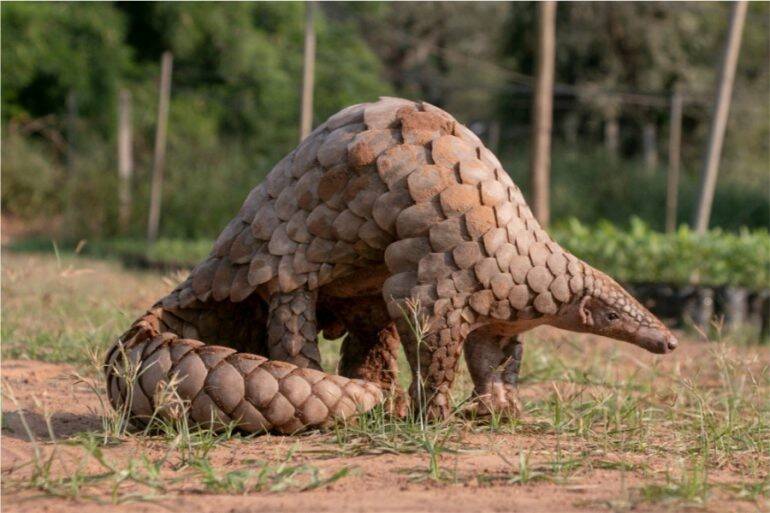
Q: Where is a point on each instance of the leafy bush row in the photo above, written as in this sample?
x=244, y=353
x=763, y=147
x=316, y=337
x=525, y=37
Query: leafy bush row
x=636, y=255
x=163, y=253
x=640, y=254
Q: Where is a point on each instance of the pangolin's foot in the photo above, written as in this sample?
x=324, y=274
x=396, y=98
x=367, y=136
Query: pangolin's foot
x=397, y=402
x=501, y=401
x=433, y=408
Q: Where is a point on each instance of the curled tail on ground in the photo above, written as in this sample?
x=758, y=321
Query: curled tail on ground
x=222, y=386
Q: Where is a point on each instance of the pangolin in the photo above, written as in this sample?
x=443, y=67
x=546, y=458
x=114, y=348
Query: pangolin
x=383, y=202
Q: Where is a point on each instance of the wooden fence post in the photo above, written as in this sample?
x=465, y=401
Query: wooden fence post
x=611, y=131
x=650, y=145
x=71, y=128
x=571, y=125
x=493, y=137
x=125, y=159
x=308, y=71
x=674, y=157
x=542, y=113
x=159, y=159
x=719, y=120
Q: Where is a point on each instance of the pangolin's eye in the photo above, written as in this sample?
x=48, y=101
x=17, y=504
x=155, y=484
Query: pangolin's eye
x=612, y=316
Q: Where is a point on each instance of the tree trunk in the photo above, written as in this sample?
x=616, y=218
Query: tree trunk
x=543, y=112
x=308, y=71
x=125, y=159
x=674, y=157
x=156, y=193
x=719, y=120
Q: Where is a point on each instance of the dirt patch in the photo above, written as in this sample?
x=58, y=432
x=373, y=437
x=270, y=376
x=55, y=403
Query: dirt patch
x=15, y=228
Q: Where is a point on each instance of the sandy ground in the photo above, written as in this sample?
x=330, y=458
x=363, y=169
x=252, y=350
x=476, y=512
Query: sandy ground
x=377, y=483
x=52, y=310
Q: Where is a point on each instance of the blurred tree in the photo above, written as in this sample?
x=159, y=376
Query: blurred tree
x=441, y=52
x=234, y=106
x=242, y=62
x=51, y=49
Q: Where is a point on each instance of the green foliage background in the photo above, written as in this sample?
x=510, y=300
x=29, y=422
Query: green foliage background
x=236, y=85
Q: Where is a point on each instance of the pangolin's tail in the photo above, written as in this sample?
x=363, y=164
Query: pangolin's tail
x=152, y=372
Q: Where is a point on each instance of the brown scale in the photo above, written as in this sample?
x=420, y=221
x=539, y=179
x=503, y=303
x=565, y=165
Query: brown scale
x=383, y=202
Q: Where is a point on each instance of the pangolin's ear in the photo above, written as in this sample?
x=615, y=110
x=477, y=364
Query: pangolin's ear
x=585, y=314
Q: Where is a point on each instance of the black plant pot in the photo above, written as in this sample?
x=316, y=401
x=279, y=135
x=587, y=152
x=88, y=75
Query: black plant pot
x=734, y=303
x=662, y=299
x=759, y=314
x=699, y=306
x=680, y=306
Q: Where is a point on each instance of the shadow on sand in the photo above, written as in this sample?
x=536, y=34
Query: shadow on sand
x=63, y=425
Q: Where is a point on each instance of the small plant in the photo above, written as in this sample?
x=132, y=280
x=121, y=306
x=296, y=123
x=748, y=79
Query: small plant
x=690, y=485
x=418, y=325
x=264, y=476
x=377, y=432
x=524, y=474
x=433, y=441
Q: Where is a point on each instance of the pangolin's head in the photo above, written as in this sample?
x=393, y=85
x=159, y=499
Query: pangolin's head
x=606, y=309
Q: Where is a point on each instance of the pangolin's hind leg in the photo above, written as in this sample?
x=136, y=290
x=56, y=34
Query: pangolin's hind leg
x=370, y=349
x=292, y=329
x=372, y=355
x=494, y=362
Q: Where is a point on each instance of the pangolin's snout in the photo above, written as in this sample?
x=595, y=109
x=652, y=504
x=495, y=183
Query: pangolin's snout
x=671, y=342
x=656, y=340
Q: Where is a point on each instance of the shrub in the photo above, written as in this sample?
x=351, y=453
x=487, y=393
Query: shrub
x=31, y=178
x=683, y=257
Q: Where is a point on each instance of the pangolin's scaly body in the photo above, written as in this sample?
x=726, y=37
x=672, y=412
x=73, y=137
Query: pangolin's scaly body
x=384, y=201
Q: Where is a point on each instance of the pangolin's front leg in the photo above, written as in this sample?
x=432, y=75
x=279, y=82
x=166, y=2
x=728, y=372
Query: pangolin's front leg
x=292, y=329
x=494, y=362
x=433, y=360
